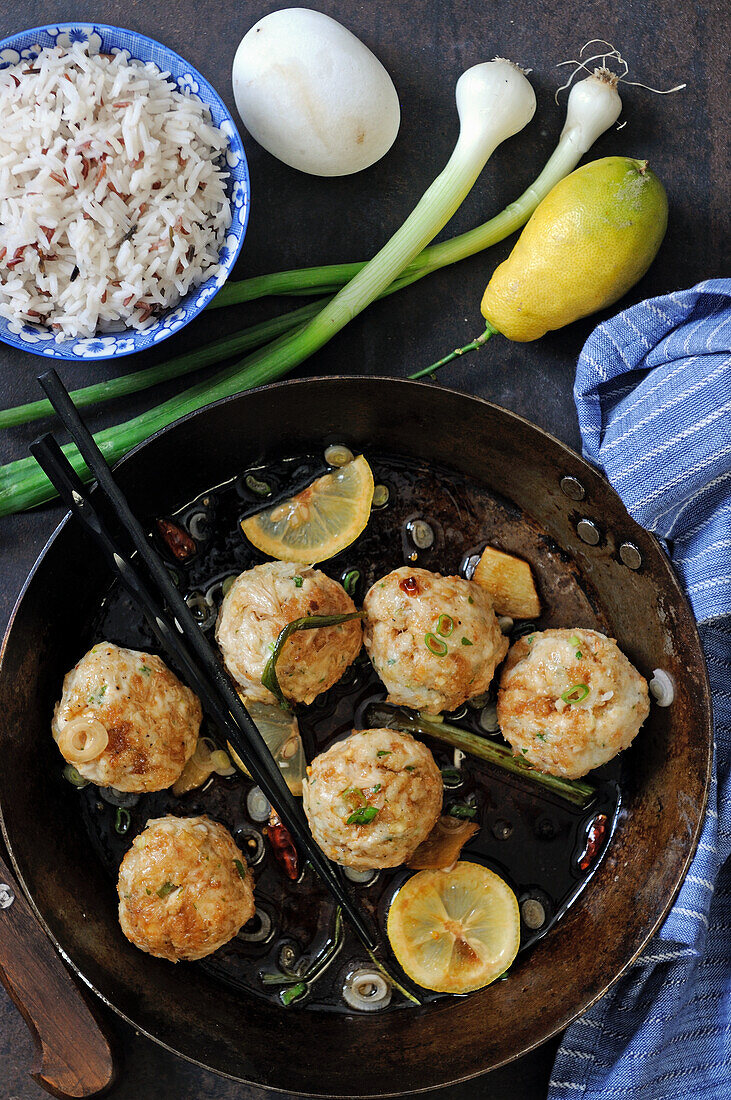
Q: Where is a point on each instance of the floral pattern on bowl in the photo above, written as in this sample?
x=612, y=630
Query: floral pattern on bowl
x=102, y=38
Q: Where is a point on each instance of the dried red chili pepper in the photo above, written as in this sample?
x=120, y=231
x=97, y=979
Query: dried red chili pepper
x=178, y=541
x=410, y=585
x=595, y=835
x=281, y=841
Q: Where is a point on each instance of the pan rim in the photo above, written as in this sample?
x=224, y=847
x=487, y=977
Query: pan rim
x=590, y=1000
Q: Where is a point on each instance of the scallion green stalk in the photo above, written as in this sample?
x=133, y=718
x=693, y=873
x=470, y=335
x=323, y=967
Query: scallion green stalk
x=501, y=756
x=593, y=106
x=191, y=361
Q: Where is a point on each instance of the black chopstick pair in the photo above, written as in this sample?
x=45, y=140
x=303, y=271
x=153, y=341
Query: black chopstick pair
x=178, y=634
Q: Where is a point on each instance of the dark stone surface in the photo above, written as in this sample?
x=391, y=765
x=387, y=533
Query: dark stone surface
x=299, y=220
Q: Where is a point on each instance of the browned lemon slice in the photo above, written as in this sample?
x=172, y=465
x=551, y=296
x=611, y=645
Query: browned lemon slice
x=454, y=931
x=320, y=521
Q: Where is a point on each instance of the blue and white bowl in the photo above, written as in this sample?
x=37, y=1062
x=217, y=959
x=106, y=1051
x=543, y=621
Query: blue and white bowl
x=106, y=39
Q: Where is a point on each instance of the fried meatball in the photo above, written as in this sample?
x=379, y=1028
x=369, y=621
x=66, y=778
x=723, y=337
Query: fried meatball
x=372, y=798
x=184, y=888
x=569, y=700
x=433, y=640
x=125, y=720
x=255, y=610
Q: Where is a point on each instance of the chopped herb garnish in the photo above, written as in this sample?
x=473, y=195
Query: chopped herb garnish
x=73, y=777
x=410, y=767
x=99, y=695
x=463, y=809
x=445, y=625
x=531, y=639
x=466, y=641
x=261, y=488
x=148, y=890
x=575, y=694
x=574, y=641
x=166, y=888
x=524, y=751
x=376, y=788
x=436, y=645
x=122, y=821
x=293, y=993
x=308, y=622
x=578, y=654
x=451, y=777
x=362, y=816
x=384, y=752
x=240, y=868
x=350, y=581
x=357, y=794
x=145, y=670
x=470, y=599
x=298, y=582
x=540, y=737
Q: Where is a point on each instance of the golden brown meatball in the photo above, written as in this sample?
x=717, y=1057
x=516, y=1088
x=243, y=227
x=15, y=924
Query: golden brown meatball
x=184, y=888
x=255, y=610
x=569, y=700
x=372, y=798
x=433, y=640
x=125, y=720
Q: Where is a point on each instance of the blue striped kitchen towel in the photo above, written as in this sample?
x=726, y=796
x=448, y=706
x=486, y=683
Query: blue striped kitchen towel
x=653, y=394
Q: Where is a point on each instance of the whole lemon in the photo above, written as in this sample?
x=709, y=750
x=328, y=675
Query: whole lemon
x=593, y=236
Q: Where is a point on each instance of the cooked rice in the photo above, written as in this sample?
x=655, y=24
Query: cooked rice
x=113, y=199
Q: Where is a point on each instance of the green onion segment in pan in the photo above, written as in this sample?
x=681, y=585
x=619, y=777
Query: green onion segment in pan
x=308, y=622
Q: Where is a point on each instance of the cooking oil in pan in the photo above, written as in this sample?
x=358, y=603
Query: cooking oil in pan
x=295, y=950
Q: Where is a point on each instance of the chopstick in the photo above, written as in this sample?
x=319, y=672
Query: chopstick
x=181, y=638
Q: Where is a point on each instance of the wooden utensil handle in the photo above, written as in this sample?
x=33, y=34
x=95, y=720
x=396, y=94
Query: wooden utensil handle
x=74, y=1057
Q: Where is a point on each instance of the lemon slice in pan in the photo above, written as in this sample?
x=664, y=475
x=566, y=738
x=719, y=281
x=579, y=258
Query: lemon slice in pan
x=320, y=521
x=454, y=931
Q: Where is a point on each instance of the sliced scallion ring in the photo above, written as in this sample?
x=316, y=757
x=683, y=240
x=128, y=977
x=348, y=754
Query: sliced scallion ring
x=575, y=694
x=435, y=645
x=350, y=581
x=445, y=625
x=256, y=486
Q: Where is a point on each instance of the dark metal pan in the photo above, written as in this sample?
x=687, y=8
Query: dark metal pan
x=557, y=511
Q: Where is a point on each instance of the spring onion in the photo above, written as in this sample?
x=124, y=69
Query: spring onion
x=385, y=714
x=217, y=352
x=445, y=625
x=308, y=622
x=494, y=101
x=350, y=581
x=72, y=776
x=259, y=488
x=436, y=645
x=593, y=106
x=462, y=810
x=288, y=996
x=362, y=816
x=575, y=694
x=122, y=821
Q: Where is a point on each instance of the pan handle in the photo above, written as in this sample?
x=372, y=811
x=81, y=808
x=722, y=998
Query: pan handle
x=73, y=1054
